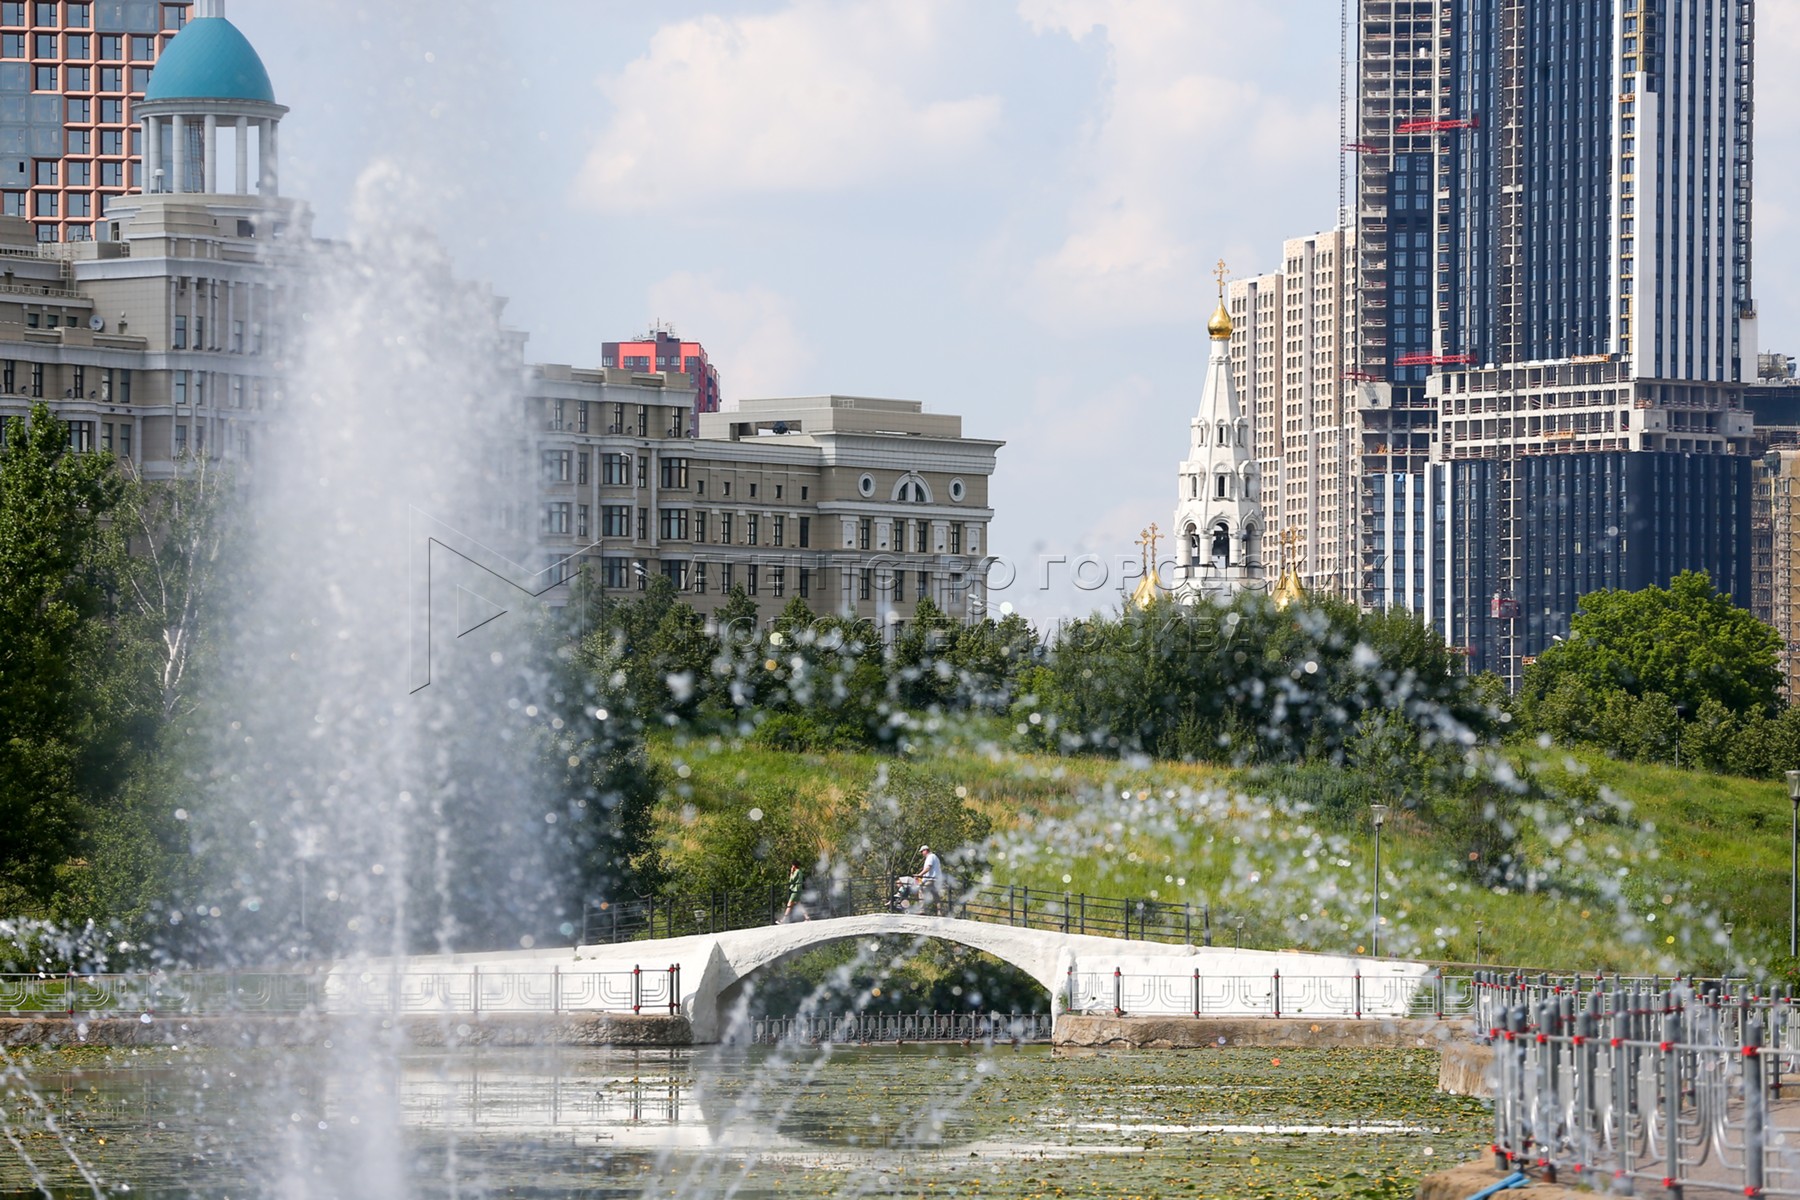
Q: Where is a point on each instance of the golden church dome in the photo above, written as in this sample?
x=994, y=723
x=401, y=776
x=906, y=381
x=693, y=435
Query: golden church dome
x=1220, y=325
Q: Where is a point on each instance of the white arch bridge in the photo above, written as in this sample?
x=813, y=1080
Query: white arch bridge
x=702, y=976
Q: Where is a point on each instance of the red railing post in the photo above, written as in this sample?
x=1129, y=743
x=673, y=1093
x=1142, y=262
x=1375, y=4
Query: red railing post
x=674, y=988
x=1118, y=994
x=637, y=989
x=1278, y=993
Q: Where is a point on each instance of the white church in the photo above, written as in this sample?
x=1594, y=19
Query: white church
x=1219, y=519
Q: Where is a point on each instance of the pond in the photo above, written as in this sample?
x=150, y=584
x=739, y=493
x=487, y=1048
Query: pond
x=927, y=1120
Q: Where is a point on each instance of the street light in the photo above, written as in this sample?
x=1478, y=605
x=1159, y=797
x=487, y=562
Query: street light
x=1793, y=778
x=1478, y=929
x=1380, y=814
x=1240, y=933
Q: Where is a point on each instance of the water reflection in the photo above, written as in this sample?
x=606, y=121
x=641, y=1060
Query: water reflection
x=752, y=1121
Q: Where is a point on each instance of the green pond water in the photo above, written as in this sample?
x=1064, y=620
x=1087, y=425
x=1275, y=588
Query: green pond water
x=578, y=1122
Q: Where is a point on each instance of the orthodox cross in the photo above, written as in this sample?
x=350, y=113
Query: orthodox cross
x=1147, y=545
x=1221, y=273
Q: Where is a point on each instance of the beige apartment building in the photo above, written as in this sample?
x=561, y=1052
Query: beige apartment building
x=855, y=505
x=1289, y=329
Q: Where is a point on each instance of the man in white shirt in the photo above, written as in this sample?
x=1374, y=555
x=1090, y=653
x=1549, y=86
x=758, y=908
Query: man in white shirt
x=931, y=879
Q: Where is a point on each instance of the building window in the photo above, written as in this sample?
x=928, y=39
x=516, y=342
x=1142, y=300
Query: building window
x=643, y=421
x=724, y=529
x=863, y=583
x=556, y=414
x=180, y=441
x=612, y=572
x=676, y=571
x=700, y=578
x=46, y=13
x=643, y=472
x=615, y=470
x=642, y=571
x=46, y=204
x=700, y=525
x=805, y=583
x=556, y=518
x=15, y=204
x=643, y=524
x=125, y=441
x=922, y=536
x=865, y=528
x=615, y=520
x=81, y=174
x=581, y=520
x=556, y=466
x=180, y=340
x=79, y=112
x=805, y=532
x=866, y=485
x=112, y=47
x=779, y=530
x=673, y=524
x=750, y=531
x=12, y=45
x=78, y=79
x=143, y=49
x=675, y=473
x=78, y=17
x=750, y=579
x=81, y=204
x=726, y=576
x=37, y=379
x=778, y=581
x=899, y=586
x=956, y=539
x=924, y=584
x=112, y=174
x=81, y=436
x=12, y=12
x=581, y=417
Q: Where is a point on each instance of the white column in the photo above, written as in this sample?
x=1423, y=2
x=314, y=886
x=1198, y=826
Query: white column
x=152, y=152
x=179, y=183
x=243, y=156
x=273, y=158
x=209, y=157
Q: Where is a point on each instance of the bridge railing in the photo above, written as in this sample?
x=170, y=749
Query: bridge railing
x=611, y=921
x=1673, y=1086
x=275, y=993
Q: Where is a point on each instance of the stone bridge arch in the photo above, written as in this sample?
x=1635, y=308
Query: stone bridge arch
x=741, y=954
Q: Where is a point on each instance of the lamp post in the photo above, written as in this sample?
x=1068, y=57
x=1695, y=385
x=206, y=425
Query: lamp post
x=1240, y=933
x=1379, y=811
x=1478, y=928
x=1793, y=782
x=1730, y=955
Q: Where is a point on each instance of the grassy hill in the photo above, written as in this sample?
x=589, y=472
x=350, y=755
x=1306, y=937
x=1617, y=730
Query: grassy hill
x=1614, y=866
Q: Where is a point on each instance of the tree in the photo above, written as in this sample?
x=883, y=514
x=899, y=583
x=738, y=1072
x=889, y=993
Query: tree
x=1687, y=641
x=54, y=646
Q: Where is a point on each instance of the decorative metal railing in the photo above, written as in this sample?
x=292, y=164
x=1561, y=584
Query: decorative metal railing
x=218, y=993
x=856, y=1028
x=1184, y=923
x=1670, y=1085
x=1199, y=994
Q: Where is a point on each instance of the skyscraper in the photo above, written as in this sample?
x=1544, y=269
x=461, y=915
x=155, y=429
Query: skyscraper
x=1590, y=407
x=71, y=72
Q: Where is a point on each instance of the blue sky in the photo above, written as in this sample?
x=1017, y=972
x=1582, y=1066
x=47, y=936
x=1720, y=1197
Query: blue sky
x=1007, y=209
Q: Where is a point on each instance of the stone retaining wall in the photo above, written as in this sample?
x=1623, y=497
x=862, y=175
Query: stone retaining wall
x=1191, y=1033
x=488, y=1029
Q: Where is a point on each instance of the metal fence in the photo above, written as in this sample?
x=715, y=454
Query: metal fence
x=610, y=921
x=857, y=1028
x=219, y=993
x=1672, y=1086
x=1199, y=994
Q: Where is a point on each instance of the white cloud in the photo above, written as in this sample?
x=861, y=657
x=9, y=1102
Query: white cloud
x=750, y=334
x=820, y=95
x=1190, y=156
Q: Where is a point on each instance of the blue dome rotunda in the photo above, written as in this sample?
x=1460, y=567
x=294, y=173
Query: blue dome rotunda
x=209, y=81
